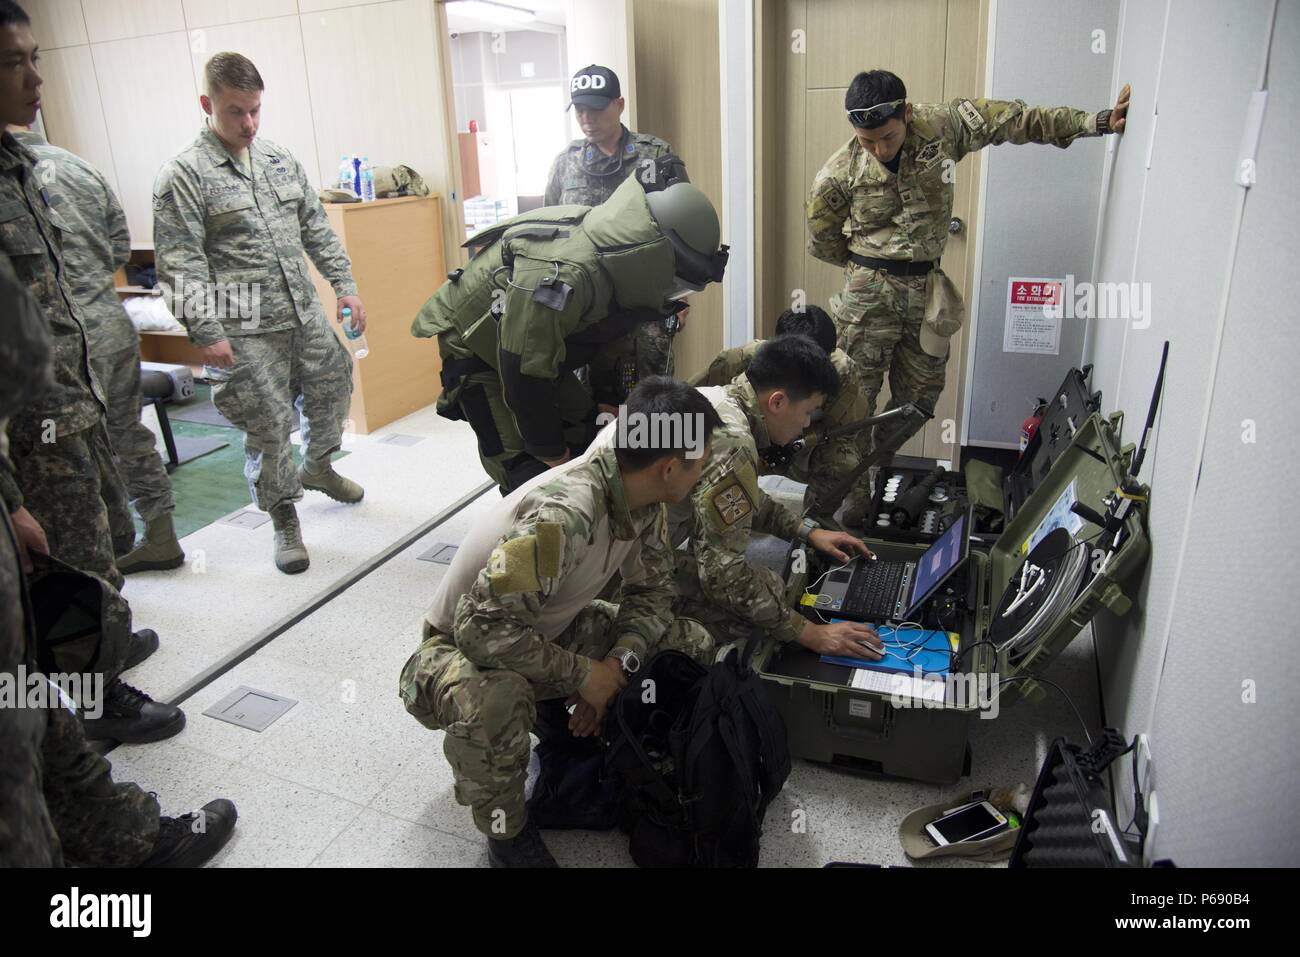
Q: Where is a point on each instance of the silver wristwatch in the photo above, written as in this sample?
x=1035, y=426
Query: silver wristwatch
x=628, y=658
x=806, y=528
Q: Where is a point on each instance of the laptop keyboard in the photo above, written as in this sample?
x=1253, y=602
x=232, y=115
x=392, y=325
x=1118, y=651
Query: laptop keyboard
x=874, y=589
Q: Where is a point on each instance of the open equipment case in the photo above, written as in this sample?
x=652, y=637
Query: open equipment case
x=832, y=722
x=930, y=512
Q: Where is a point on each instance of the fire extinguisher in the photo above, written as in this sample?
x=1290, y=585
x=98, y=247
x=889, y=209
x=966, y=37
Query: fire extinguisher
x=1029, y=427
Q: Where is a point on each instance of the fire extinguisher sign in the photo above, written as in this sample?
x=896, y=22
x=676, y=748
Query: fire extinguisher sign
x=1033, y=322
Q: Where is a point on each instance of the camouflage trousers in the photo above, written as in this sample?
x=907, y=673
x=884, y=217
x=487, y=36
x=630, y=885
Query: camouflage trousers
x=654, y=350
x=724, y=627
x=821, y=468
x=478, y=398
x=134, y=446
x=27, y=837
x=487, y=713
x=878, y=316
x=100, y=823
x=73, y=488
x=306, y=367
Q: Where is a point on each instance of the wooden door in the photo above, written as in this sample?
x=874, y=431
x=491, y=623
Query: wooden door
x=808, y=51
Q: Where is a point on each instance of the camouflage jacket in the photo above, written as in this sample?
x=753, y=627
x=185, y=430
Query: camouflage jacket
x=96, y=245
x=229, y=247
x=570, y=530
x=847, y=407
x=856, y=205
x=725, y=506
x=582, y=175
x=31, y=235
x=25, y=353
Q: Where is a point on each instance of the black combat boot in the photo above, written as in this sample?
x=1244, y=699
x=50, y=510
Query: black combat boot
x=192, y=840
x=143, y=644
x=132, y=717
x=525, y=849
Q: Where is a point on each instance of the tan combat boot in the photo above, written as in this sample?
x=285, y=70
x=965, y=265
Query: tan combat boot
x=331, y=483
x=290, y=553
x=157, y=551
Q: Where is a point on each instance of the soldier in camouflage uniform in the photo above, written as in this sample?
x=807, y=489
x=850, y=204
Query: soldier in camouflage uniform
x=62, y=488
x=770, y=404
x=97, y=244
x=881, y=207
x=588, y=172
x=820, y=463
x=551, y=291
x=27, y=837
x=57, y=798
x=515, y=621
x=232, y=218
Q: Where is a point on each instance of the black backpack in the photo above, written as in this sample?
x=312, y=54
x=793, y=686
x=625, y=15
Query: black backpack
x=701, y=752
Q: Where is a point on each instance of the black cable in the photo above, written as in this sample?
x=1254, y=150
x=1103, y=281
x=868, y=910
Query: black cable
x=1053, y=684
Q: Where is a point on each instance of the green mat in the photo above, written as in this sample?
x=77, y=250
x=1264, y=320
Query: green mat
x=212, y=486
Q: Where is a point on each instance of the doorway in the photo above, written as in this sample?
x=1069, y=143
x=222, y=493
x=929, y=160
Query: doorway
x=509, y=78
x=808, y=51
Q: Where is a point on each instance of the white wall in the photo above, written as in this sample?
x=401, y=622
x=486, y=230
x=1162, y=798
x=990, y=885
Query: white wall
x=600, y=32
x=1214, y=608
x=1040, y=213
x=122, y=79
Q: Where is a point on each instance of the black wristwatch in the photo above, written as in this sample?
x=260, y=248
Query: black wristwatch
x=1103, y=122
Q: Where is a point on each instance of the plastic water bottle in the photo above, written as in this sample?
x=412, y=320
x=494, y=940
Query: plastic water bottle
x=345, y=174
x=356, y=338
x=356, y=176
x=367, y=179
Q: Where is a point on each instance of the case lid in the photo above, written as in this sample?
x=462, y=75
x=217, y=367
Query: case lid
x=1064, y=415
x=1032, y=616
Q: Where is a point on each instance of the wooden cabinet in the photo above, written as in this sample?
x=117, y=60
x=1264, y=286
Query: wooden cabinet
x=397, y=261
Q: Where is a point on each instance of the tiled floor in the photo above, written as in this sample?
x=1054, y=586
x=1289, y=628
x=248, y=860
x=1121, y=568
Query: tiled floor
x=347, y=778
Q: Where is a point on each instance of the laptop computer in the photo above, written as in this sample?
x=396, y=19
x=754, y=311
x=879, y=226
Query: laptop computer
x=895, y=591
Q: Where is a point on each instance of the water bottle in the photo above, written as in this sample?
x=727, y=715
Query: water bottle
x=356, y=338
x=367, y=179
x=356, y=176
x=345, y=174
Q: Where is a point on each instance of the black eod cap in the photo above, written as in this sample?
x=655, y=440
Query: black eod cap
x=595, y=87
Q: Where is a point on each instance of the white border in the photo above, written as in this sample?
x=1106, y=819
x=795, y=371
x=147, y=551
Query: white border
x=736, y=74
x=973, y=307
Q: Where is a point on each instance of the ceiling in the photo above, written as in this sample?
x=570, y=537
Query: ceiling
x=463, y=17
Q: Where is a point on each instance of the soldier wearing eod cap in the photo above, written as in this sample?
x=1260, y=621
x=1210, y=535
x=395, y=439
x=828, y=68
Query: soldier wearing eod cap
x=590, y=169
x=881, y=208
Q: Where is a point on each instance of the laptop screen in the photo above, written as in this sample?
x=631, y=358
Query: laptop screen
x=942, y=558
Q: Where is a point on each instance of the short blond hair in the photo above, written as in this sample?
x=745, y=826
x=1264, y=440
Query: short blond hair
x=232, y=71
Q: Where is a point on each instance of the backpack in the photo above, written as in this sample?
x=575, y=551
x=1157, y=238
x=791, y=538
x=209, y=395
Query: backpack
x=701, y=752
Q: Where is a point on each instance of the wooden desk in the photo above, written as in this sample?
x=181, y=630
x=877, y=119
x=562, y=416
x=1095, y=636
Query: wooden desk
x=397, y=261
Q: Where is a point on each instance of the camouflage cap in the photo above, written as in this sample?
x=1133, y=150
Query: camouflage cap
x=944, y=314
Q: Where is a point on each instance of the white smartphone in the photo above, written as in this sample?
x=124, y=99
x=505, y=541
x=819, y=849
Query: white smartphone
x=971, y=823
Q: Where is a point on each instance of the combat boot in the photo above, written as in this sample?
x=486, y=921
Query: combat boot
x=290, y=553
x=143, y=644
x=132, y=717
x=192, y=839
x=525, y=849
x=331, y=483
x=157, y=551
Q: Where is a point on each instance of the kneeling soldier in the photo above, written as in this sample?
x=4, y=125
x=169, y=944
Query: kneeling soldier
x=516, y=620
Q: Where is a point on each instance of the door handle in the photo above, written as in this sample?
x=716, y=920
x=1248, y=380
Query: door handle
x=955, y=226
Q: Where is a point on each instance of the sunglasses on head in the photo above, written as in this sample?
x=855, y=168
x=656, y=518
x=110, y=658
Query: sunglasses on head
x=877, y=113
